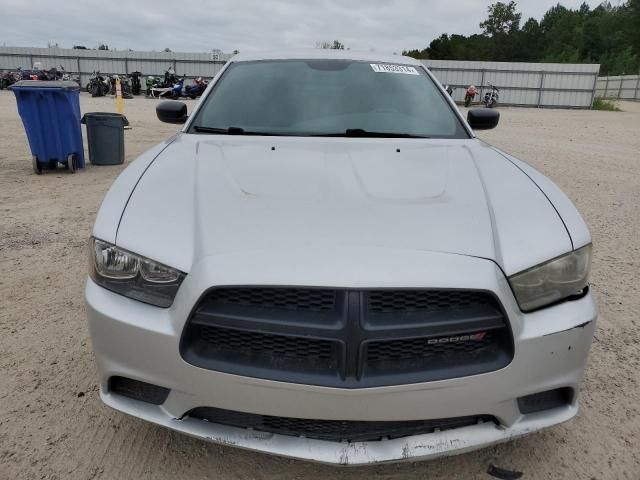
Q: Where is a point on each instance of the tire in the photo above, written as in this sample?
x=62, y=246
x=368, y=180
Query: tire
x=71, y=163
x=467, y=100
x=37, y=168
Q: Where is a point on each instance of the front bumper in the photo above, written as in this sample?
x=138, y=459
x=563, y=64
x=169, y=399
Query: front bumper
x=141, y=342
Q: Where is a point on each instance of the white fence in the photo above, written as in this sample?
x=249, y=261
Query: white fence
x=529, y=84
x=622, y=87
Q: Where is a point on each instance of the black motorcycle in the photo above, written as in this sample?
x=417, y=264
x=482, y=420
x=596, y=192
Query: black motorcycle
x=136, y=84
x=9, y=78
x=170, y=78
x=98, y=85
x=125, y=86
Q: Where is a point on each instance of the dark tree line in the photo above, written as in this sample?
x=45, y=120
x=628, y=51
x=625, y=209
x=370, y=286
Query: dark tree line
x=606, y=35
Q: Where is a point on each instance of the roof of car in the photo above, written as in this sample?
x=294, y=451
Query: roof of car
x=319, y=53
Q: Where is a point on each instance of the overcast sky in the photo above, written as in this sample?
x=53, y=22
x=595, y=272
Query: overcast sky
x=186, y=25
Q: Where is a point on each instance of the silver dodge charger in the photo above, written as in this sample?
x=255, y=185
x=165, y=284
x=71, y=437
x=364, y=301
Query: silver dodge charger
x=326, y=263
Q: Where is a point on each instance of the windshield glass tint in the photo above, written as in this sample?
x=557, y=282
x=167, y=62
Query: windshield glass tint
x=327, y=97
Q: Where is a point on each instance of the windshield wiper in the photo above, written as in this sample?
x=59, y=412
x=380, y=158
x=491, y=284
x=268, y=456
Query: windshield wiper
x=235, y=131
x=359, y=132
x=222, y=131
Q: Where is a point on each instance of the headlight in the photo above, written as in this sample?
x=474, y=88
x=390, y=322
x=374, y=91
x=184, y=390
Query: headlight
x=552, y=281
x=132, y=275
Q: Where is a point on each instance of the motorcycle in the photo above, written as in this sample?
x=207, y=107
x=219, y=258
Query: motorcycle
x=125, y=86
x=491, y=97
x=136, y=86
x=52, y=74
x=470, y=95
x=449, y=90
x=9, y=78
x=170, y=79
x=151, y=82
x=174, y=92
x=98, y=85
x=196, y=89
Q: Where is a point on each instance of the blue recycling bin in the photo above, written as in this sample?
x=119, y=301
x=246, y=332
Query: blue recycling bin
x=50, y=112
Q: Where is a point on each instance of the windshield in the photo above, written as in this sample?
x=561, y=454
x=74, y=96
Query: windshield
x=327, y=98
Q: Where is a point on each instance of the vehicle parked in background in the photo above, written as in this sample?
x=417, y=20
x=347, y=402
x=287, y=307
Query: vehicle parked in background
x=99, y=85
x=136, y=85
x=492, y=96
x=470, y=95
x=160, y=86
x=196, y=89
x=9, y=78
x=326, y=263
x=151, y=82
x=174, y=91
x=125, y=85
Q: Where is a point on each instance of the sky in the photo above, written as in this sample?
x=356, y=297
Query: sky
x=247, y=25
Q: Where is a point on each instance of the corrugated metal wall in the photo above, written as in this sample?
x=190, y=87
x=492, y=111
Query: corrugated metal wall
x=528, y=84
x=531, y=84
x=623, y=87
x=84, y=62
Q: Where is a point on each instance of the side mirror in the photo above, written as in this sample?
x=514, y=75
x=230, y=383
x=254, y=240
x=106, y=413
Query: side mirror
x=483, y=118
x=172, y=112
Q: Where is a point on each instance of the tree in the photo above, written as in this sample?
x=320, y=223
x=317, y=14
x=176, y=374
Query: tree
x=335, y=45
x=103, y=46
x=502, y=19
x=608, y=35
x=167, y=50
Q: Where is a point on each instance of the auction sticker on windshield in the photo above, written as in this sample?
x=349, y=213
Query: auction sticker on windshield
x=388, y=68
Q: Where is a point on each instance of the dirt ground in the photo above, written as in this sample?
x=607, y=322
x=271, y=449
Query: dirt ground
x=53, y=426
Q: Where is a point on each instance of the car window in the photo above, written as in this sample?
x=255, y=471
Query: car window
x=327, y=97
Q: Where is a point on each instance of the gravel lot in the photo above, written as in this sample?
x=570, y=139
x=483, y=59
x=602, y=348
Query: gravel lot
x=52, y=424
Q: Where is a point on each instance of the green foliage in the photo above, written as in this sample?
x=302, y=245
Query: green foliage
x=602, y=104
x=502, y=19
x=609, y=35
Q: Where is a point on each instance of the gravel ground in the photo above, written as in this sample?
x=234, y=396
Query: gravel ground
x=52, y=424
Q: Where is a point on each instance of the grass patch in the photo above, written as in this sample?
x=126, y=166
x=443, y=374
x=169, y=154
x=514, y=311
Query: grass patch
x=600, y=103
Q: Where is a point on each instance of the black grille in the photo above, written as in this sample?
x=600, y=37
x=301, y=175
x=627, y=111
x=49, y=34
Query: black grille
x=333, y=430
x=428, y=347
x=387, y=301
x=249, y=343
x=347, y=338
x=314, y=300
x=144, y=392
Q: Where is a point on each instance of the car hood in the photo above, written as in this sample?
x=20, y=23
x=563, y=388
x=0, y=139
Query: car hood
x=207, y=195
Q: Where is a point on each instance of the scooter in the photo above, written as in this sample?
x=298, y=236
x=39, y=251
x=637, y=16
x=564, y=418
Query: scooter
x=470, y=95
x=491, y=97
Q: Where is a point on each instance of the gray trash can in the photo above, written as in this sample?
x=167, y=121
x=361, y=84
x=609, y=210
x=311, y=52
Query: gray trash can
x=105, y=136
